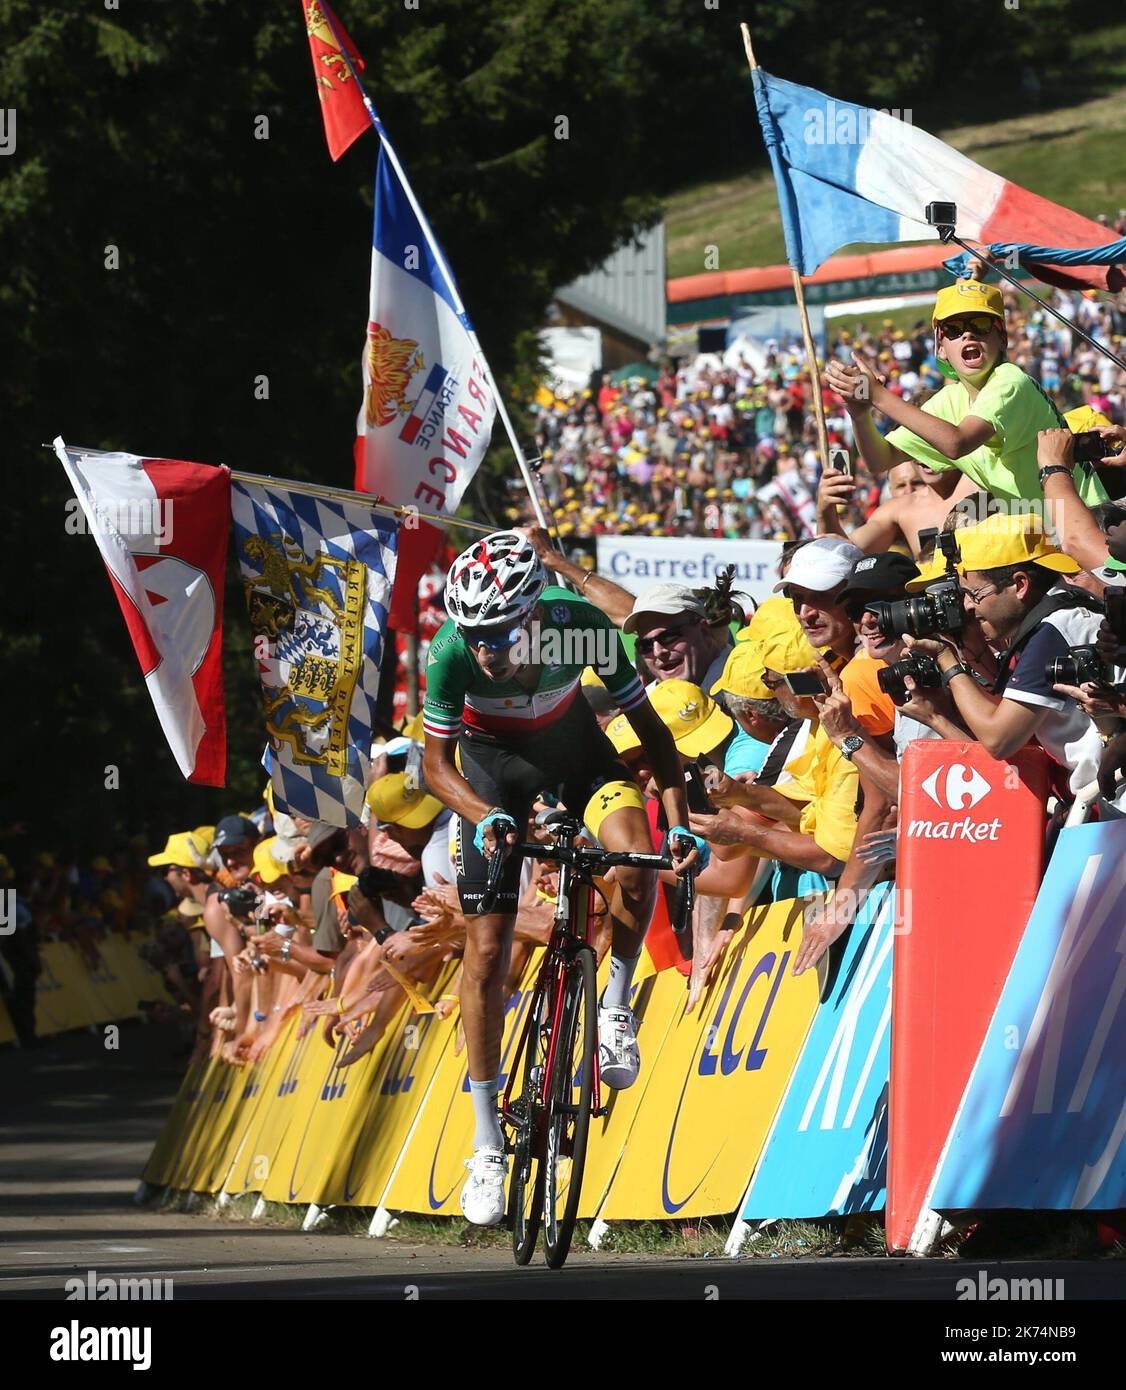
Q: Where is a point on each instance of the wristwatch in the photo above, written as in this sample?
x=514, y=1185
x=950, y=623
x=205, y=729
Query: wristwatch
x=951, y=671
x=284, y=952
x=1053, y=468
x=851, y=744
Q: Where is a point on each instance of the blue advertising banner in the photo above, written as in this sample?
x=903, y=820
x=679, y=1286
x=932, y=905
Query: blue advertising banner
x=1043, y=1120
x=827, y=1152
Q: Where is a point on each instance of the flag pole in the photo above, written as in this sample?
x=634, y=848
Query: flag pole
x=330, y=494
x=803, y=314
x=436, y=252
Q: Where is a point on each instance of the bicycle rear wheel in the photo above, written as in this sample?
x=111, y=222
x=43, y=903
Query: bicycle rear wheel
x=525, y=1192
x=569, y=1090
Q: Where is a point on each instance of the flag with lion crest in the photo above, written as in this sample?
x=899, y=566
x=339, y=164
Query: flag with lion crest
x=428, y=405
x=318, y=575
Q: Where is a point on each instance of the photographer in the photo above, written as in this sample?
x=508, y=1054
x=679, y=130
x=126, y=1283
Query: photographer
x=1045, y=632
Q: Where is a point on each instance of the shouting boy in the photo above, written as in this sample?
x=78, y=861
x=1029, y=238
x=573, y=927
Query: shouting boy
x=984, y=421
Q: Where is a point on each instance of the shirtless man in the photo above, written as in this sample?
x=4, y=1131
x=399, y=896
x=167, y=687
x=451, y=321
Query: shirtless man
x=920, y=498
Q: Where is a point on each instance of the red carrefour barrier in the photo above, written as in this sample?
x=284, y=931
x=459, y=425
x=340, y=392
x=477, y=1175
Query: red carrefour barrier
x=971, y=857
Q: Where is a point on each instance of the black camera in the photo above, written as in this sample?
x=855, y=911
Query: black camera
x=1088, y=446
x=1082, y=664
x=241, y=901
x=922, y=669
x=937, y=611
x=943, y=218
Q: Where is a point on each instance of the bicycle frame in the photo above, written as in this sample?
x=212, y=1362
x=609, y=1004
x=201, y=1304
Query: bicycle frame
x=563, y=935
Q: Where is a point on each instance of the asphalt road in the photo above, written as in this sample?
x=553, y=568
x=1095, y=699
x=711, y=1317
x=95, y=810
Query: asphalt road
x=78, y=1125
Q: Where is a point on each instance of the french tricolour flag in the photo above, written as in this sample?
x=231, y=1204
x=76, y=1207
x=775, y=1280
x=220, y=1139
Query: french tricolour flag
x=848, y=174
x=161, y=526
x=428, y=407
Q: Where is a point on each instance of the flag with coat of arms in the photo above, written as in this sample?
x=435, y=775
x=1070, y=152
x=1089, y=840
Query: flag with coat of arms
x=428, y=407
x=318, y=575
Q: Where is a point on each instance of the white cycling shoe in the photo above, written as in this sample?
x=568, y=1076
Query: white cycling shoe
x=619, y=1060
x=482, y=1197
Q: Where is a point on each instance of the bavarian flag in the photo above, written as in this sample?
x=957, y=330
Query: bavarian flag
x=317, y=574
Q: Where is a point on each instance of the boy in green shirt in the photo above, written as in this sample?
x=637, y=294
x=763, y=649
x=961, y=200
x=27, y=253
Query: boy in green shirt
x=983, y=422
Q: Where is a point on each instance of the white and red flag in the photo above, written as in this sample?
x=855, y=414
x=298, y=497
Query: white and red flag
x=161, y=526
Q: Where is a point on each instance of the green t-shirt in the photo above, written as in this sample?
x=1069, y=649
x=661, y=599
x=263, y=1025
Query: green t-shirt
x=1005, y=465
x=571, y=635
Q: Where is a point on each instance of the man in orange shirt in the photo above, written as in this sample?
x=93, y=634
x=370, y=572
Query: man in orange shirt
x=814, y=583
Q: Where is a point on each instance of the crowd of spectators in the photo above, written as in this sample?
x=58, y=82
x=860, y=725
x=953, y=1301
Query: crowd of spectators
x=796, y=786
x=723, y=450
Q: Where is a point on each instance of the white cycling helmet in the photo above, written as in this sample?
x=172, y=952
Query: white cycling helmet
x=497, y=580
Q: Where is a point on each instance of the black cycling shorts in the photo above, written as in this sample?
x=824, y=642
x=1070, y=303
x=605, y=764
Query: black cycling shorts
x=572, y=759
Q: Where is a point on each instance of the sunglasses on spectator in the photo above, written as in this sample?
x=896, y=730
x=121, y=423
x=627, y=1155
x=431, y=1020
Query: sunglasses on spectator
x=978, y=324
x=669, y=637
x=496, y=639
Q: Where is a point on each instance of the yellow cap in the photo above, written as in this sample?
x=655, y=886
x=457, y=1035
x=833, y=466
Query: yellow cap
x=1083, y=417
x=742, y=673
x=933, y=570
x=186, y=850
x=391, y=802
x=591, y=677
x=268, y=869
x=775, y=627
x=1010, y=540
x=412, y=728
x=695, y=720
x=772, y=616
x=342, y=883
x=968, y=297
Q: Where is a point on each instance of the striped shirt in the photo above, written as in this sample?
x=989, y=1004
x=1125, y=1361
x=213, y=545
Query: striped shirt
x=570, y=635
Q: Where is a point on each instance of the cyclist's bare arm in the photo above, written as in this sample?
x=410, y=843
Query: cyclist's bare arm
x=449, y=786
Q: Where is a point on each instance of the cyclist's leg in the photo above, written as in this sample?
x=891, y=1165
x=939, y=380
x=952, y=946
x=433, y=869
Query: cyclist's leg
x=488, y=939
x=615, y=815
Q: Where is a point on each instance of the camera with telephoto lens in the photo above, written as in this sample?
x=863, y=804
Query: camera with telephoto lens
x=937, y=611
x=241, y=901
x=922, y=669
x=1082, y=664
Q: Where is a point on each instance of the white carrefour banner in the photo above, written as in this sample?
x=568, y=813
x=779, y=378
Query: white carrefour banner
x=636, y=561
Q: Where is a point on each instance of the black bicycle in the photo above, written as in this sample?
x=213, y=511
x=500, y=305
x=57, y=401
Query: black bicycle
x=553, y=1088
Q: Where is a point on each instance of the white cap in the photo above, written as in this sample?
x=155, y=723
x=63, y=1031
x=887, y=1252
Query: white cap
x=666, y=599
x=821, y=565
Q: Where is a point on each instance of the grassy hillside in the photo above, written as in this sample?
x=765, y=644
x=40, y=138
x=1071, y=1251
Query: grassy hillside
x=1074, y=155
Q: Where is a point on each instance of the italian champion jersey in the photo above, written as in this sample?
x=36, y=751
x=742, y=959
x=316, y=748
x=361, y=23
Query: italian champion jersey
x=571, y=635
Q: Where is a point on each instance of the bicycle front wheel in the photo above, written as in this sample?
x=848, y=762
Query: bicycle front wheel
x=569, y=1088
x=525, y=1192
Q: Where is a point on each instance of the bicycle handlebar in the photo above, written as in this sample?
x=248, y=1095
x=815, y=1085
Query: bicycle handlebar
x=587, y=859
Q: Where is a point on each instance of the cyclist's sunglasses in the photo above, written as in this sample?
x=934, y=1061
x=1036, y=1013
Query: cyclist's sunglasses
x=670, y=637
x=979, y=324
x=496, y=639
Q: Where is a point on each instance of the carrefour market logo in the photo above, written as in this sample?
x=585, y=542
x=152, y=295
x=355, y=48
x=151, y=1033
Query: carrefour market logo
x=959, y=792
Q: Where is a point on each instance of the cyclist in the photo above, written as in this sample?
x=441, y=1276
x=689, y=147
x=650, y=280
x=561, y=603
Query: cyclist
x=503, y=721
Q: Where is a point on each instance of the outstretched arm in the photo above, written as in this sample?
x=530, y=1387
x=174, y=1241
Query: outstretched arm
x=614, y=601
